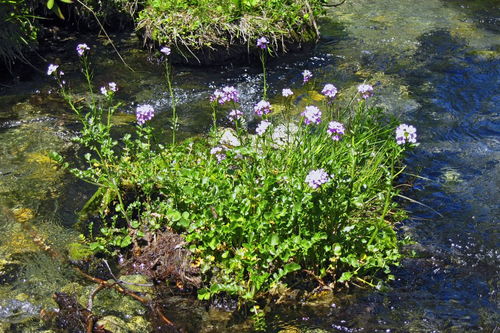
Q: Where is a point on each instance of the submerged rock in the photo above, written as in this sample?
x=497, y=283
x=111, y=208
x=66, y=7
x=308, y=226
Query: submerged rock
x=113, y=324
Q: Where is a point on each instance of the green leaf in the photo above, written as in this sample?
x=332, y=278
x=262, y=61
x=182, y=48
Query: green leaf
x=291, y=267
x=204, y=294
x=126, y=241
x=346, y=276
x=174, y=215
x=275, y=240
x=67, y=1
x=58, y=12
x=50, y=4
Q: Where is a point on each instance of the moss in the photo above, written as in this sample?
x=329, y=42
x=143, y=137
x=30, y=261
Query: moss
x=219, y=25
x=77, y=251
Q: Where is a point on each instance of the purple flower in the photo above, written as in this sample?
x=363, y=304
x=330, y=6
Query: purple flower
x=52, y=69
x=336, y=130
x=231, y=94
x=144, y=113
x=227, y=94
x=217, y=96
x=218, y=152
x=165, y=50
x=365, y=90
x=316, y=178
x=235, y=115
x=311, y=115
x=307, y=75
x=113, y=87
x=81, y=49
x=262, y=108
x=329, y=91
x=406, y=134
x=287, y=92
x=262, y=127
x=262, y=42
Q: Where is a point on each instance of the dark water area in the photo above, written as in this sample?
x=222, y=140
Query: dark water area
x=435, y=64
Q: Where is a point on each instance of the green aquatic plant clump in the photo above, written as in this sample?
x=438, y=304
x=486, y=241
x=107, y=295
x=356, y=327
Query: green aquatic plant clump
x=208, y=24
x=306, y=195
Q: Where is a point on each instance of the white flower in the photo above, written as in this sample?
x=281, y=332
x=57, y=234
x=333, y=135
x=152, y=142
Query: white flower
x=287, y=92
x=262, y=127
x=229, y=139
x=52, y=69
x=165, y=50
x=284, y=134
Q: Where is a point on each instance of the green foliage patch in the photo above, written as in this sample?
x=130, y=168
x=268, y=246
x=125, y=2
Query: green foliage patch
x=302, y=196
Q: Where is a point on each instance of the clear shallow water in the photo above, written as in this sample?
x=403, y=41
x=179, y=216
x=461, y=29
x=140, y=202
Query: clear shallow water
x=436, y=64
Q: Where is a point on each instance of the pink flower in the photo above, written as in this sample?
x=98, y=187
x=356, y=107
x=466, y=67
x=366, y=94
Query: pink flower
x=307, y=75
x=262, y=42
x=406, y=134
x=329, y=91
x=262, y=108
x=311, y=115
x=316, y=178
x=365, y=90
x=81, y=49
x=336, y=130
x=144, y=113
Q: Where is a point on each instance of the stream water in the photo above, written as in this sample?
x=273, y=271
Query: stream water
x=435, y=64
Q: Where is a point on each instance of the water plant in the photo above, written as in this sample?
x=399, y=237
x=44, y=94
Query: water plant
x=307, y=197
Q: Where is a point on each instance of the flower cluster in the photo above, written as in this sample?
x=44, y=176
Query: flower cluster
x=329, y=91
x=165, y=50
x=219, y=153
x=262, y=108
x=365, y=90
x=112, y=89
x=144, y=113
x=307, y=75
x=227, y=94
x=81, y=49
x=317, y=177
x=262, y=42
x=311, y=115
x=336, y=130
x=287, y=92
x=406, y=134
x=262, y=127
x=235, y=115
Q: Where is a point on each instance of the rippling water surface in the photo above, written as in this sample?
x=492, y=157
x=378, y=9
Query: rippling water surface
x=436, y=65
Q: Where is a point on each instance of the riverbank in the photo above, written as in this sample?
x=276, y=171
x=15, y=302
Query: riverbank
x=203, y=33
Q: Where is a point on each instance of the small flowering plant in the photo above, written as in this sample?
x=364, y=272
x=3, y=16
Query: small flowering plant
x=296, y=197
